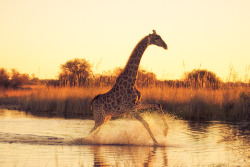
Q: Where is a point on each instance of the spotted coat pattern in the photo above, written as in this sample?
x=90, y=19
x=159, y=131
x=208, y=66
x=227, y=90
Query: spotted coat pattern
x=123, y=97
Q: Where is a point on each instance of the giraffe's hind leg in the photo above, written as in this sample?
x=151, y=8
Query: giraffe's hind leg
x=98, y=125
x=145, y=124
x=100, y=119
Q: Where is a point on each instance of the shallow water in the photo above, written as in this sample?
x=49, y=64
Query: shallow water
x=26, y=140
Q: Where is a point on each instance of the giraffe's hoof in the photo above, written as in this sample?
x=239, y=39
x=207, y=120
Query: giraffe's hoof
x=165, y=133
x=156, y=143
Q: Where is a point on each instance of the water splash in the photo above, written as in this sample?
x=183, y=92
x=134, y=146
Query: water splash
x=127, y=132
x=116, y=132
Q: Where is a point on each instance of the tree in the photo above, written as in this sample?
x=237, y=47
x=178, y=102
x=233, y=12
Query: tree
x=203, y=79
x=75, y=72
x=34, y=80
x=4, y=78
x=18, y=79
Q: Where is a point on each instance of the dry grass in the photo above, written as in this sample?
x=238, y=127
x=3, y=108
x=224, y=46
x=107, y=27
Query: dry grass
x=191, y=104
x=50, y=101
x=203, y=104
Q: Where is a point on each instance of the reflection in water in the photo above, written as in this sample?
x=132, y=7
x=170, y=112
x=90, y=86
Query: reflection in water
x=151, y=157
x=26, y=140
x=99, y=160
x=129, y=156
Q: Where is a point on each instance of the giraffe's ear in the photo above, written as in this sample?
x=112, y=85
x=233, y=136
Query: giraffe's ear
x=154, y=32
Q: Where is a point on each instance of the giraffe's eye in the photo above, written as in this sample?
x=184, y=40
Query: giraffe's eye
x=156, y=37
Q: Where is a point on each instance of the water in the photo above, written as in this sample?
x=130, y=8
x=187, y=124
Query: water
x=26, y=140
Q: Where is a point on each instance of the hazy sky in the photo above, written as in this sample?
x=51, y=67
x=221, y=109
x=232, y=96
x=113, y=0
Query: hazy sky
x=36, y=36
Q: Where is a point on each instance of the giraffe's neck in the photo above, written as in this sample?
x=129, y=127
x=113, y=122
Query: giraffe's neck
x=129, y=73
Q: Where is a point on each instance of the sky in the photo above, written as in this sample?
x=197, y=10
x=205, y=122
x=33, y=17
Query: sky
x=37, y=36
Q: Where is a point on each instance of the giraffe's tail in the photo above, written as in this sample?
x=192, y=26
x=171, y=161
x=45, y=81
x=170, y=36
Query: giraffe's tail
x=91, y=103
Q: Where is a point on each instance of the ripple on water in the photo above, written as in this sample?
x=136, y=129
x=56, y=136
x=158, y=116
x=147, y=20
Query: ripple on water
x=24, y=137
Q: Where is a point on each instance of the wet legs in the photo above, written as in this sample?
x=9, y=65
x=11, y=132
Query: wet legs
x=145, y=124
x=98, y=124
x=144, y=105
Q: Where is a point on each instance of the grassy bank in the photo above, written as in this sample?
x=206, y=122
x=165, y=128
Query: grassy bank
x=50, y=101
x=191, y=104
x=203, y=104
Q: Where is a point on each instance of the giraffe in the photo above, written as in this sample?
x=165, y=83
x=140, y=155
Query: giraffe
x=123, y=96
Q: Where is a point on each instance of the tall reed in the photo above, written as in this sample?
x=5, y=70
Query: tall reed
x=191, y=104
x=203, y=104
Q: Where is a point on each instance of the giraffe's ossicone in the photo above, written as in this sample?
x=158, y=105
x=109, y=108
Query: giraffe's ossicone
x=124, y=97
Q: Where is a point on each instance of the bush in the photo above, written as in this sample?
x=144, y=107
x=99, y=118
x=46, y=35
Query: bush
x=202, y=79
x=4, y=78
x=17, y=79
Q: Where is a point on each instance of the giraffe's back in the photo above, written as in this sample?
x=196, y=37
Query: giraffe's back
x=117, y=101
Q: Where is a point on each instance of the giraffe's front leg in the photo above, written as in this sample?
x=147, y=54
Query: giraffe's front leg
x=145, y=124
x=144, y=105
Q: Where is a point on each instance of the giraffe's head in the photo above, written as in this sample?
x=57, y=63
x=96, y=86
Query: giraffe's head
x=156, y=40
